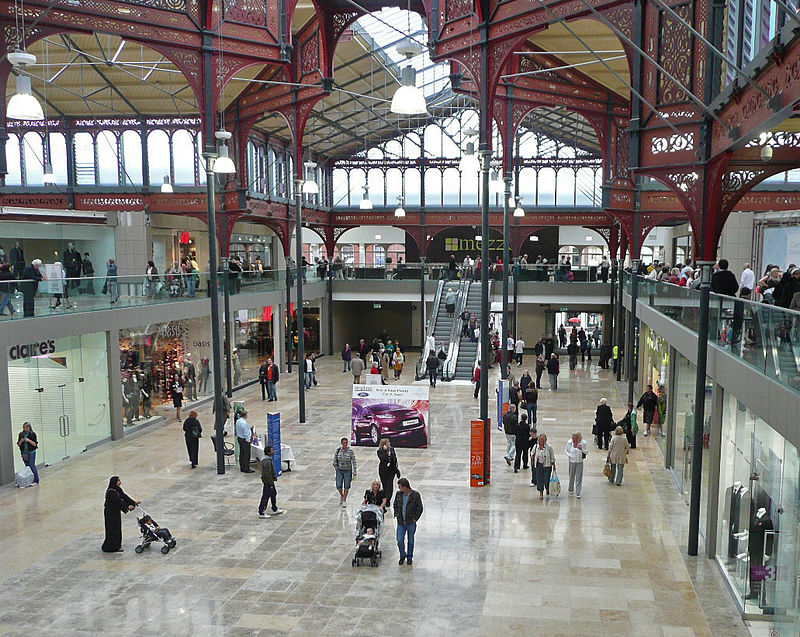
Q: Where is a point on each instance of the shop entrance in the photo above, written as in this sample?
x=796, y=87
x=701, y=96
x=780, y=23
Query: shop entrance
x=64, y=395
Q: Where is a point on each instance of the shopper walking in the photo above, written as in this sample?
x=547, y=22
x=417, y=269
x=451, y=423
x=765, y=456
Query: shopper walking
x=8, y=286
x=29, y=284
x=553, y=369
x=576, y=451
x=177, y=395
x=649, y=403
x=543, y=462
x=28, y=445
x=151, y=280
x=603, y=423
x=522, y=443
x=618, y=455
x=357, y=367
x=476, y=378
x=116, y=503
x=407, y=512
x=398, y=359
x=244, y=435
x=540, y=367
x=268, y=491
x=344, y=462
x=268, y=375
x=432, y=366
x=386, y=364
x=387, y=467
x=519, y=350
x=112, y=284
x=531, y=401
x=192, y=432
x=510, y=430
x=629, y=425
x=347, y=356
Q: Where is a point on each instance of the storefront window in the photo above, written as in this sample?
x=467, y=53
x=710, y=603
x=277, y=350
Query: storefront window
x=685, y=377
x=757, y=542
x=62, y=390
x=253, y=342
x=151, y=357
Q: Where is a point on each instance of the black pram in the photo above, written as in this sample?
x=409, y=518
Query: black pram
x=151, y=532
x=368, y=545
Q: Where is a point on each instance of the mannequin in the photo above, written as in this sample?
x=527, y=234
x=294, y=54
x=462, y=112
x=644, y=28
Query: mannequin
x=146, y=392
x=72, y=264
x=733, y=502
x=758, y=544
x=88, y=271
x=190, y=376
x=205, y=372
x=237, y=367
x=17, y=259
x=127, y=399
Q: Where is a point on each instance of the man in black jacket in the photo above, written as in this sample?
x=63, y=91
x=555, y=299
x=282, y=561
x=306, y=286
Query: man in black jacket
x=407, y=511
x=649, y=403
x=723, y=281
x=29, y=284
x=7, y=287
x=510, y=430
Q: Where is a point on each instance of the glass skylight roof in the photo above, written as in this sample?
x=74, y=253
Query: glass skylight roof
x=386, y=29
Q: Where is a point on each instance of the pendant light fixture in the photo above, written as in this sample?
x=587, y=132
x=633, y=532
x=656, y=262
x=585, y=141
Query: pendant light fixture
x=310, y=187
x=23, y=104
x=400, y=212
x=519, y=211
x=409, y=99
x=496, y=184
x=223, y=165
x=365, y=203
x=167, y=185
x=469, y=162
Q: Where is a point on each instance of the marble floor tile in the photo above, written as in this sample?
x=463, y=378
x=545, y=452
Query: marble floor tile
x=494, y=560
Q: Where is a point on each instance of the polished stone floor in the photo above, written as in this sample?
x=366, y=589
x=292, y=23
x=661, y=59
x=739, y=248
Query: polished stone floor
x=488, y=561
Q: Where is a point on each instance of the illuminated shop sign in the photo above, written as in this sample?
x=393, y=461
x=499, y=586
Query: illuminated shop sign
x=457, y=244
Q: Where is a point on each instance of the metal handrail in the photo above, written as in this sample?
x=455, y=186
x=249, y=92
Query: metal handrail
x=448, y=369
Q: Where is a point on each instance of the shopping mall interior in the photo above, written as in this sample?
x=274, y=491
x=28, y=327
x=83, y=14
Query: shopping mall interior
x=521, y=273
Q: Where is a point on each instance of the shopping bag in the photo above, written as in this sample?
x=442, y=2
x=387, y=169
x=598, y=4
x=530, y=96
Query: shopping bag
x=607, y=470
x=24, y=478
x=555, y=485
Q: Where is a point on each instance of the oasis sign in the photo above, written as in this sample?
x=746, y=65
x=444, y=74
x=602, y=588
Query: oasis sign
x=27, y=350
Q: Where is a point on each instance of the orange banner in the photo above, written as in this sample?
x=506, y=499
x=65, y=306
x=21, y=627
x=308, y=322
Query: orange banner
x=478, y=460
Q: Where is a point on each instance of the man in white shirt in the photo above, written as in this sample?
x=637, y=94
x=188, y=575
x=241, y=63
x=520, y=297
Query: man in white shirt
x=243, y=435
x=686, y=272
x=431, y=343
x=519, y=348
x=747, y=280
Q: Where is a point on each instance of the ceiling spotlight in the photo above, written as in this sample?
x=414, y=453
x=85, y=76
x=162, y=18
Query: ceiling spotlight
x=23, y=104
x=589, y=237
x=766, y=153
x=533, y=238
x=519, y=211
x=223, y=165
x=166, y=186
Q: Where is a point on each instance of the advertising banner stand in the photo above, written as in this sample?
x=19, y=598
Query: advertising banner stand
x=274, y=439
x=479, y=457
x=396, y=412
x=502, y=403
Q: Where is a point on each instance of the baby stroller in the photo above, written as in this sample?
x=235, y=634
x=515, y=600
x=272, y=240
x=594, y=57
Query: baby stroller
x=151, y=532
x=368, y=544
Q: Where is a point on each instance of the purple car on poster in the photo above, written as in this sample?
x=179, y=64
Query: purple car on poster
x=388, y=420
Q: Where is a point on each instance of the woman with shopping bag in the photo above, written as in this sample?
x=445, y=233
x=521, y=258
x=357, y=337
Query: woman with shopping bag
x=543, y=464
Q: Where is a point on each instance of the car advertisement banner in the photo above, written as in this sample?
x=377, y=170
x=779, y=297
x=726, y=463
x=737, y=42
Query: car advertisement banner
x=396, y=412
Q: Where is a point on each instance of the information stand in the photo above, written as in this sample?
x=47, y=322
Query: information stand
x=274, y=439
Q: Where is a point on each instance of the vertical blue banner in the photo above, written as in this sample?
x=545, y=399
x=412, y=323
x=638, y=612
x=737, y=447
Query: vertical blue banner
x=274, y=438
x=501, y=393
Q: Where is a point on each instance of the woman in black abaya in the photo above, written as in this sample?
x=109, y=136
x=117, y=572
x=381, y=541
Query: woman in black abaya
x=117, y=503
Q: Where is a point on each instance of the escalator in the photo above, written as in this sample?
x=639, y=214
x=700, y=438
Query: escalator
x=442, y=327
x=467, y=348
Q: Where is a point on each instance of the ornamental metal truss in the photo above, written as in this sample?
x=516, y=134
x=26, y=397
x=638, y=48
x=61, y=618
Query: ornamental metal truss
x=662, y=104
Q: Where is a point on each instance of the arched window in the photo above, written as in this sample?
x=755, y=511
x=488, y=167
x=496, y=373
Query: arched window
x=131, y=150
x=84, y=159
x=647, y=255
x=680, y=254
x=107, y=158
x=158, y=157
x=14, y=176
x=569, y=251
x=591, y=255
x=182, y=150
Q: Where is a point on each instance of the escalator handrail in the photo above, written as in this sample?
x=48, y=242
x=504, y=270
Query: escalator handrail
x=429, y=330
x=449, y=367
